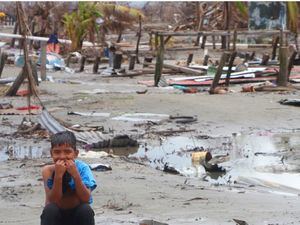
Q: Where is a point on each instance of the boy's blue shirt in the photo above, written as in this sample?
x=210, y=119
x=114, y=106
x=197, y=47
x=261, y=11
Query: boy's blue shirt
x=86, y=177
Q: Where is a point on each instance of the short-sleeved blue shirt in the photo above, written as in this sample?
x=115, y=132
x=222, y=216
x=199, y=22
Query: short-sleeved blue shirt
x=86, y=177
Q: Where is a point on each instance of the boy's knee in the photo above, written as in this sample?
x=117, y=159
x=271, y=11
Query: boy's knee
x=85, y=210
x=51, y=210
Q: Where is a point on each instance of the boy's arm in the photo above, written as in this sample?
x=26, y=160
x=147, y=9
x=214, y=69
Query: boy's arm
x=82, y=191
x=54, y=194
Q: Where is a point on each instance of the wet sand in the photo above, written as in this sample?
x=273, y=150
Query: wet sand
x=132, y=192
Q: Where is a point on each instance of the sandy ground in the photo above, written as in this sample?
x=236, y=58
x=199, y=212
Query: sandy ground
x=132, y=192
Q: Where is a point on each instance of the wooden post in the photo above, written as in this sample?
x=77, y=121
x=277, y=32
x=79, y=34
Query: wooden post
x=156, y=42
x=231, y=60
x=252, y=55
x=34, y=72
x=43, y=61
x=265, y=59
x=32, y=32
x=96, y=64
x=3, y=57
x=224, y=58
x=82, y=62
x=68, y=60
x=290, y=65
x=214, y=41
x=17, y=83
x=159, y=61
x=147, y=60
x=12, y=43
x=150, y=41
x=234, y=40
x=275, y=43
x=131, y=62
x=203, y=41
x=138, y=40
x=283, y=69
x=205, y=61
x=189, y=59
x=117, y=60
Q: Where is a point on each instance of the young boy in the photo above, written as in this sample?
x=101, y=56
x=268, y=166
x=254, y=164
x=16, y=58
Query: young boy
x=68, y=185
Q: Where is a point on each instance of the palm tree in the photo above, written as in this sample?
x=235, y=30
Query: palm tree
x=80, y=23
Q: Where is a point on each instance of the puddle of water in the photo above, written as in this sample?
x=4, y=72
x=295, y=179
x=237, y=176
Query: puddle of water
x=266, y=159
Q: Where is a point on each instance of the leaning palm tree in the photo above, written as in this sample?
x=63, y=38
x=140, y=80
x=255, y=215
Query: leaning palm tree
x=117, y=18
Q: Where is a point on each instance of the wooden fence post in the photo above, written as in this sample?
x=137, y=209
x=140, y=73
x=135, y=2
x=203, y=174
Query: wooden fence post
x=283, y=69
x=43, y=60
x=131, y=62
x=3, y=58
x=223, y=60
x=96, y=64
x=231, y=60
x=159, y=61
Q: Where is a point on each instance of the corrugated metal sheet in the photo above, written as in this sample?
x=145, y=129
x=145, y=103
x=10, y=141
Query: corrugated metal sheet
x=49, y=123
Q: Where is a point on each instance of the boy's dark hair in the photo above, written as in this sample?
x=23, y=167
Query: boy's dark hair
x=64, y=137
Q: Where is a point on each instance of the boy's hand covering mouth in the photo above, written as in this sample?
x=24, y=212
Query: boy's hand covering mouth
x=60, y=167
x=71, y=167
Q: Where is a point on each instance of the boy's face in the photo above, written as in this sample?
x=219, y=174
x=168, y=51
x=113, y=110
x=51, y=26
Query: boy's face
x=63, y=152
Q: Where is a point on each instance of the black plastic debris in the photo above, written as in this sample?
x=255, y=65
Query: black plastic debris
x=100, y=167
x=293, y=102
x=116, y=142
x=240, y=222
x=170, y=169
x=183, y=119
